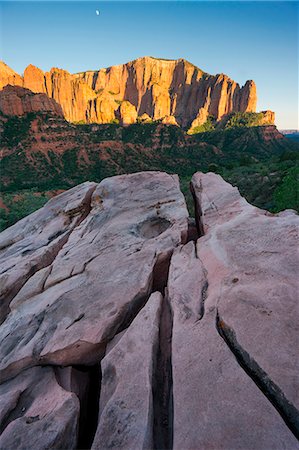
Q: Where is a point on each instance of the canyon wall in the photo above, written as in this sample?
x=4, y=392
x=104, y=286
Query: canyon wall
x=174, y=91
x=17, y=101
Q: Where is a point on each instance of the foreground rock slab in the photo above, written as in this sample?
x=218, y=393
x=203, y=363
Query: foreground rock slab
x=104, y=273
x=251, y=261
x=228, y=410
x=126, y=404
x=34, y=242
x=127, y=326
x=37, y=413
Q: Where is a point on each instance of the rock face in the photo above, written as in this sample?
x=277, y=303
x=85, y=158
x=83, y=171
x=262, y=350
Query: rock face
x=156, y=87
x=153, y=335
x=34, y=405
x=268, y=117
x=200, y=119
x=140, y=241
x=126, y=410
x=127, y=113
x=9, y=76
x=17, y=101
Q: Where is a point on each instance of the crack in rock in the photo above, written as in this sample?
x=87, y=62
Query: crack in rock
x=286, y=409
x=162, y=383
x=17, y=275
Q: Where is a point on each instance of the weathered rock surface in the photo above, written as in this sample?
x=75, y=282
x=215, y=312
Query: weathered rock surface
x=268, y=117
x=151, y=339
x=126, y=403
x=169, y=120
x=200, y=119
x=127, y=113
x=18, y=101
x=9, y=76
x=228, y=411
x=252, y=270
x=160, y=88
x=33, y=243
x=37, y=413
x=68, y=311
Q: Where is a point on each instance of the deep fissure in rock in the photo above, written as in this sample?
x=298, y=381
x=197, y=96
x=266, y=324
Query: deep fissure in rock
x=162, y=383
x=162, y=372
x=85, y=382
x=286, y=409
x=198, y=212
x=89, y=406
x=157, y=283
x=160, y=272
x=193, y=234
x=133, y=309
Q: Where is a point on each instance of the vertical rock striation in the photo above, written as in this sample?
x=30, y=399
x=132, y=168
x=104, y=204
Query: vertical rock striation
x=175, y=91
x=108, y=239
x=251, y=265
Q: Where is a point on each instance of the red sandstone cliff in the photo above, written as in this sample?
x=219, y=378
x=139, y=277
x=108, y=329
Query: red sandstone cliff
x=17, y=101
x=156, y=87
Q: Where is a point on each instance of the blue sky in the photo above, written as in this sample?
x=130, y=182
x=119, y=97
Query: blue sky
x=245, y=40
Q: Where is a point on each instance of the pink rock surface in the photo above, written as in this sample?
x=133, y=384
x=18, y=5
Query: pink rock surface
x=252, y=263
x=33, y=242
x=126, y=403
x=105, y=270
x=208, y=362
x=37, y=413
x=228, y=410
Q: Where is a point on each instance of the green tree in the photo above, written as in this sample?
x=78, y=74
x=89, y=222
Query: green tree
x=286, y=195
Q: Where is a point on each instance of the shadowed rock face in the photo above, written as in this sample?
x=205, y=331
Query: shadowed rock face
x=149, y=341
x=18, y=101
x=37, y=412
x=174, y=91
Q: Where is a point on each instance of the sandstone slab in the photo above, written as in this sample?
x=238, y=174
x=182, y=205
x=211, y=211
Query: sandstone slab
x=99, y=278
x=126, y=402
x=207, y=362
x=33, y=242
x=37, y=413
x=216, y=405
x=251, y=261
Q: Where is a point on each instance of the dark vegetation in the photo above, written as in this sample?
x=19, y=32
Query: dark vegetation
x=233, y=120
x=263, y=165
x=248, y=119
x=294, y=136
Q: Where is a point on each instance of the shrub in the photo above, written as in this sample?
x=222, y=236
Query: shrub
x=248, y=119
x=79, y=122
x=209, y=125
x=286, y=195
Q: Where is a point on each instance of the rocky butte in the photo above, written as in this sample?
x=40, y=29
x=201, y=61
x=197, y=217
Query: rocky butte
x=126, y=326
x=18, y=101
x=173, y=91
